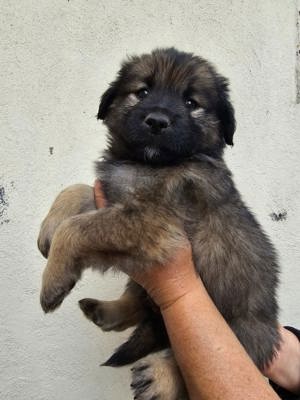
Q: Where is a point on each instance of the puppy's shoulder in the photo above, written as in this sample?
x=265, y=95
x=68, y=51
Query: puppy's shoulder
x=210, y=178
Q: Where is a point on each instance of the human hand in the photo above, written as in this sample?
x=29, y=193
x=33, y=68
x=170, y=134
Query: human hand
x=285, y=366
x=164, y=283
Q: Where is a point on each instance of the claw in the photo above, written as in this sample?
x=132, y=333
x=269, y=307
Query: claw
x=139, y=369
x=141, y=384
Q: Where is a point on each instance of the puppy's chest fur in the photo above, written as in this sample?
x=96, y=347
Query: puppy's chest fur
x=183, y=189
x=190, y=192
x=201, y=197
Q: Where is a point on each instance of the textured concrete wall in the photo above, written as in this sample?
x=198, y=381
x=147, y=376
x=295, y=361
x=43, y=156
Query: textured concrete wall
x=57, y=58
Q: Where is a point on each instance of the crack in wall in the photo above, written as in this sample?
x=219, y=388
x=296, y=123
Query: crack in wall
x=298, y=53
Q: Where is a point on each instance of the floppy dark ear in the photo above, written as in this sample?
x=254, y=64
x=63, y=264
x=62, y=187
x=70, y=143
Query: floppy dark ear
x=225, y=112
x=106, y=100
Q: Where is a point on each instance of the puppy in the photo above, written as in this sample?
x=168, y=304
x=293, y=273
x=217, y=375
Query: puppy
x=169, y=118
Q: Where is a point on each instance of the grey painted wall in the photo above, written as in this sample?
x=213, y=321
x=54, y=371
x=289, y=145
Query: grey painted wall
x=57, y=57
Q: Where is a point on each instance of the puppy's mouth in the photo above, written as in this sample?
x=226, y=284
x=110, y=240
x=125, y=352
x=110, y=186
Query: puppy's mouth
x=151, y=153
x=161, y=152
x=157, y=137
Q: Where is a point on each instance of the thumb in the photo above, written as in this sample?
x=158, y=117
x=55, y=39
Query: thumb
x=98, y=195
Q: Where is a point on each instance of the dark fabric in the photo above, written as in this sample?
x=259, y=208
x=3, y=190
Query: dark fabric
x=282, y=393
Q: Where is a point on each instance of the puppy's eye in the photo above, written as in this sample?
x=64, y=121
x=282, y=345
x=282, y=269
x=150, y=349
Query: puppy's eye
x=142, y=93
x=191, y=104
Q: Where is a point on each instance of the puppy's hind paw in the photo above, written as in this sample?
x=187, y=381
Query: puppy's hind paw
x=105, y=314
x=91, y=309
x=157, y=377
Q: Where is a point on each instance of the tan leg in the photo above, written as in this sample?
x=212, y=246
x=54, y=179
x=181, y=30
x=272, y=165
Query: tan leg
x=157, y=376
x=73, y=200
x=125, y=237
x=117, y=315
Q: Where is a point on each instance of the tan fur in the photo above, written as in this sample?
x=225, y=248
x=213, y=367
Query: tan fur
x=79, y=243
x=116, y=315
x=131, y=100
x=71, y=201
x=158, y=376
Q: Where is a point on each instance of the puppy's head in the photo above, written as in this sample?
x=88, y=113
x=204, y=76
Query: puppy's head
x=166, y=107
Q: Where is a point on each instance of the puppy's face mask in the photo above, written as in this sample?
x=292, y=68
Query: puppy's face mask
x=166, y=107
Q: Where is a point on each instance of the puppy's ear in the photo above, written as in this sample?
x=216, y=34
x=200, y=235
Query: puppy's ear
x=225, y=111
x=106, y=100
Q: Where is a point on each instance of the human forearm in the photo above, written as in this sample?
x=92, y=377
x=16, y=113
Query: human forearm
x=212, y=361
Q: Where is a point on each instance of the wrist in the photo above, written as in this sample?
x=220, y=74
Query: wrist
x=167, y=293
x=166, y=283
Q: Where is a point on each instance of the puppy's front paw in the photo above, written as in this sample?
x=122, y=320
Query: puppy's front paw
x=53, y=295
x=48, y=228
x=44, y=242
x=56, y=285
x=157, y=377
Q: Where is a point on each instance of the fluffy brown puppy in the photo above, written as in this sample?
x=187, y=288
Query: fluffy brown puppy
x=169, y=118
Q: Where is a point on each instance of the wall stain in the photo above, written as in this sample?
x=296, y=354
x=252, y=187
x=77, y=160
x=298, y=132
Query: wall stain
x=298, y=58
x=280, y=216
x=3, y=201
x=51, y=148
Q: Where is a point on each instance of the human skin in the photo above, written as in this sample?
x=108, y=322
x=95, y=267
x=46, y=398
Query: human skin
x=212, y=361
x=285, y=367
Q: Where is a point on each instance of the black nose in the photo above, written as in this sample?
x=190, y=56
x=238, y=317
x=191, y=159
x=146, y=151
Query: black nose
x=157, y=122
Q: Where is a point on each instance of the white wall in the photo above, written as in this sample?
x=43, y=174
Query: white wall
x=57, y=58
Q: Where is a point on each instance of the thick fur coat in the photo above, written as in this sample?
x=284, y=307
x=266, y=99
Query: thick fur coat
x=169, y=118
